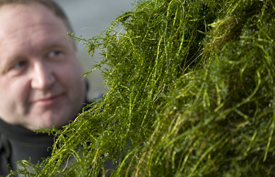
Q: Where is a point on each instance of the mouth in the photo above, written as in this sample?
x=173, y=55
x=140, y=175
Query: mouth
x=50, y=100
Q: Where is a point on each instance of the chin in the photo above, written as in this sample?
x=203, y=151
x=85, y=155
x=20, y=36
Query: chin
x=48, y=122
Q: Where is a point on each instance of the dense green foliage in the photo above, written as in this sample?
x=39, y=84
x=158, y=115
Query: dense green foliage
x=191, y=93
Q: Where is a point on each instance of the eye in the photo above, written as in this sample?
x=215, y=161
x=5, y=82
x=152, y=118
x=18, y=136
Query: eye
x=54, y=53
x=18, y=67
x=19, y=64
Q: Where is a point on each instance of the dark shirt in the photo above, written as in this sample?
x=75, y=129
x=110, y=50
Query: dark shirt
x=19, y=143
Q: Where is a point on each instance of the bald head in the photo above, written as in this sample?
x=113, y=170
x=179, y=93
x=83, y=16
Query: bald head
x=50, y=4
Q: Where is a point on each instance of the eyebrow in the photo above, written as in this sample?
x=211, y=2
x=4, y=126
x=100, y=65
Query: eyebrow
x=55, y=44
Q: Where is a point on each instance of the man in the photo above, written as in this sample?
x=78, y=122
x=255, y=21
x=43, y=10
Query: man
x=40, y=78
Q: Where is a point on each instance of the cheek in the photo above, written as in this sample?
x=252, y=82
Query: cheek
x=70, y=77
x=14, y=94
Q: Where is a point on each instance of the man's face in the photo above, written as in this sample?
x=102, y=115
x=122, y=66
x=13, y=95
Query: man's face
x=40, y=77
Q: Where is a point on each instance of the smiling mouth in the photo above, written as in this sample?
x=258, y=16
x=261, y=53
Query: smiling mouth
x=49, y=100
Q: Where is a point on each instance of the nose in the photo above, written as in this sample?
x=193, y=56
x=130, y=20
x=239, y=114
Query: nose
x=42, y=76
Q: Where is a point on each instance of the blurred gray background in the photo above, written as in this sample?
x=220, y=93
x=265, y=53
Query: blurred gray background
x=89, y=18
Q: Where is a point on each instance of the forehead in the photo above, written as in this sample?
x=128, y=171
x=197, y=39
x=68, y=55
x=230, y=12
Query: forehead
x=15, y=17
x=31, y=24
x=27, y=13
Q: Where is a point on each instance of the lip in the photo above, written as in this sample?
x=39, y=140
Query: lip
x=49, y=100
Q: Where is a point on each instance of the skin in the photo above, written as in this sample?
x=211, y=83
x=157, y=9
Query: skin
x=40, y=78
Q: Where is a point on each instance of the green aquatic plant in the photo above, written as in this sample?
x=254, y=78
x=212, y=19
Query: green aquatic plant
x=190, y=93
